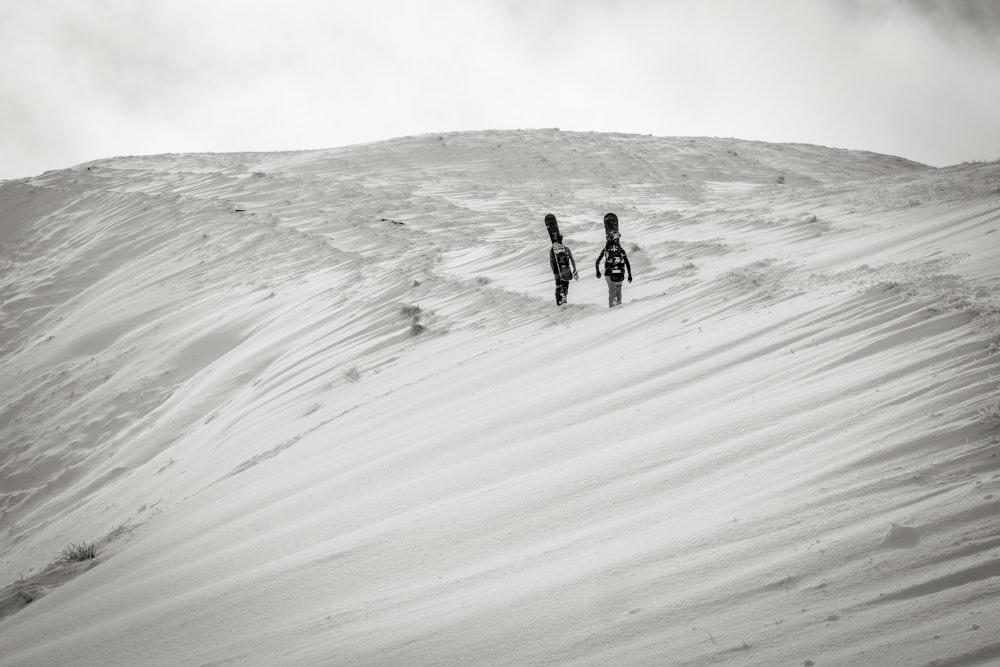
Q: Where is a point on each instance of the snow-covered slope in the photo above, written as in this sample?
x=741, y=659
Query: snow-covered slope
x=320, y=408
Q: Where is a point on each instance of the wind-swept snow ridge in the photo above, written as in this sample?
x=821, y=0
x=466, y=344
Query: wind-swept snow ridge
x=319, y=407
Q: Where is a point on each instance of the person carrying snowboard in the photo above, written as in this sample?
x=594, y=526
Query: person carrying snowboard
x=616, y=264
x=562, y=263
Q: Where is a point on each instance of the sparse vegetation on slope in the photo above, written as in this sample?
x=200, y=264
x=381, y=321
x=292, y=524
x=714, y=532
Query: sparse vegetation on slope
x=79, y=552
x=356, y=393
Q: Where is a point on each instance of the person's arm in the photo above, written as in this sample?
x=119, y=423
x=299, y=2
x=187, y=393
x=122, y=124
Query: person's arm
x=573, y=262
x=597, y=264
x=628, y=267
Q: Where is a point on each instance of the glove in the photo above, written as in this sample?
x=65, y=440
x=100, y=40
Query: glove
x=630, y=278
x=576, y=276
x=598, y=273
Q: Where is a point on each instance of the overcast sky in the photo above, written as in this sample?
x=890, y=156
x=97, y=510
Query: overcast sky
x=88, y=79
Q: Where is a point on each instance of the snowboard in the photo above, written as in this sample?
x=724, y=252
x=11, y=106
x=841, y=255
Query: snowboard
x=553, y=227
x=611, y=227
x=562, y=261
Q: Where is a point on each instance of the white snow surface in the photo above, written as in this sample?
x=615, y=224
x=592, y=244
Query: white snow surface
x=320, y=408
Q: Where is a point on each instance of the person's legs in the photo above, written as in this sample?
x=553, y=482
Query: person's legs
x=562, y=288
x=614, y=293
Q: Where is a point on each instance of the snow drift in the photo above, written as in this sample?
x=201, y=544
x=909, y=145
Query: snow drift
x=320, y=408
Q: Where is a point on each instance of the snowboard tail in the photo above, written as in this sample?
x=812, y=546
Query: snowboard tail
x=553, y=228
x=611, y=227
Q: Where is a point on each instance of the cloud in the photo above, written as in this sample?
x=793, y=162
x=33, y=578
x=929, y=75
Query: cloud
x=83, y=80
x=961, y=19
x=965, y=25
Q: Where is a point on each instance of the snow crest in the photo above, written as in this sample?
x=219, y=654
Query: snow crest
x=320, y=407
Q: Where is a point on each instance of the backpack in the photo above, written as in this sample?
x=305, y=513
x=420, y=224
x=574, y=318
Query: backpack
x=563, y=269
x=614, y=263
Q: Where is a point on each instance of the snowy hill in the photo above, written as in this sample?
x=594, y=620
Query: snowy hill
x=320, y=408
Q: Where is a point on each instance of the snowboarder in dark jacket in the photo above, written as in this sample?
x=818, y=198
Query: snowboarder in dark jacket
x=560, y=260
x=616, y=266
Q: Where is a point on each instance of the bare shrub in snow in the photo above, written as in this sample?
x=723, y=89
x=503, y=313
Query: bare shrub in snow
x=990, y=415
x=410, y=311
x=79, y=552
x=414, y=313
x=352, y=374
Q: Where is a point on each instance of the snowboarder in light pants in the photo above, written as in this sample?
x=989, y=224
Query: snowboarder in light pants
x=616, y=266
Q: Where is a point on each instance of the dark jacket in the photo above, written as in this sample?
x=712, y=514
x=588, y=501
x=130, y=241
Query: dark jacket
x=609, y=244
x=552, y=260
